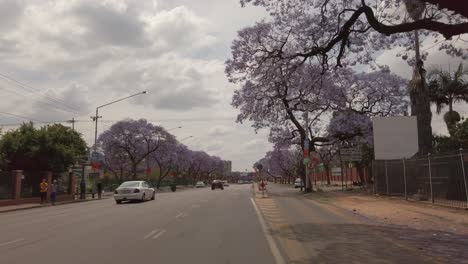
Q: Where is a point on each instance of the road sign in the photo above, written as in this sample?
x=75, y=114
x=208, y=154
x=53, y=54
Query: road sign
x=306, y=144
x=336, y=171
x=94, y=156
x=306, y=161
x=351, y=154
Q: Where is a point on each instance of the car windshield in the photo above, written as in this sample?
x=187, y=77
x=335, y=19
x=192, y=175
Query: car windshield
x=129, y=184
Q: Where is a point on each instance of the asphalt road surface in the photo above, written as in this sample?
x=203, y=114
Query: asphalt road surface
x=203, y=226
x=191, y=226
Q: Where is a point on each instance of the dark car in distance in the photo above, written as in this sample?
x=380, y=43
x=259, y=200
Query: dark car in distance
x=217, y=184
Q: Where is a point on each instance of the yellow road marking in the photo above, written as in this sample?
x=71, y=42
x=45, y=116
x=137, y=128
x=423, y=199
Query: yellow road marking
x=285, y=235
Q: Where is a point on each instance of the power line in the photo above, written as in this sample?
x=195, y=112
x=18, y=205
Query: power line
x=23, y=117
x=30, y=89
x=115, y=121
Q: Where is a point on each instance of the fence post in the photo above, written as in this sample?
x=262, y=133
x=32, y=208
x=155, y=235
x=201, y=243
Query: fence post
x=404, y=178
x=430, y=176
x=386, y=178
x=464, y=175
x=374, y=185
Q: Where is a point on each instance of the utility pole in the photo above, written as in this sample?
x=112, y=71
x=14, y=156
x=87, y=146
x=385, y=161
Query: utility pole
x=72, y=121
x=95, y=119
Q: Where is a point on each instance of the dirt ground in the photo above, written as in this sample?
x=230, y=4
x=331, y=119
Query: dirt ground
x=438, y=231
x=399, y=212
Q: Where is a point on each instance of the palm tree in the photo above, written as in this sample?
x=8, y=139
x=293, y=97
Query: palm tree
x=447, y=89
x=418, y=90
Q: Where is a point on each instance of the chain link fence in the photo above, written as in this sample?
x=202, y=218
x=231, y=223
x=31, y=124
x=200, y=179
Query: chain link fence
x=437, y=178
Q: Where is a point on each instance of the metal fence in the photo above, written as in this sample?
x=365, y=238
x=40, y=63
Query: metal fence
x=437, y=178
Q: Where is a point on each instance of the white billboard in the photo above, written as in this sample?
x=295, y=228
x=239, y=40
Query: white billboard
x=395, y=137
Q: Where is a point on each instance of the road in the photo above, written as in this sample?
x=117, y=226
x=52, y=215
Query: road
x=193, y=226
x=202, y=226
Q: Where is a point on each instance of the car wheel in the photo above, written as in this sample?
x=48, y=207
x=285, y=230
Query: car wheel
x=222, y=188
x=143, y=197
x=212, y=188
x=152, y=197
x=118, y=202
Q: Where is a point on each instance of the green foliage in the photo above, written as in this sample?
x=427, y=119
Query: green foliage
x=447, y=88
x=451, y=119
x=54, y=148
x=458, y=138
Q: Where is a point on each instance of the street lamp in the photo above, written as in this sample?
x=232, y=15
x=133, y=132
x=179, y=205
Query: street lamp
x=96, y=117
x=186, y=138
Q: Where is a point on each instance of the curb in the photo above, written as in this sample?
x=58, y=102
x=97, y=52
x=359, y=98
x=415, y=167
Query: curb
x=47, y=205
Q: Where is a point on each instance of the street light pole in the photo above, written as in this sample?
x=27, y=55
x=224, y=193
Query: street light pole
x=96, y=117
x=170, y=129
x=186, y=138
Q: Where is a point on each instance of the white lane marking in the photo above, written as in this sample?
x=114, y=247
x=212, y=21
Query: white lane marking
x=151, y=233
x=179, y=215
x=271, y=242
x=11, y=242
x=159, y=234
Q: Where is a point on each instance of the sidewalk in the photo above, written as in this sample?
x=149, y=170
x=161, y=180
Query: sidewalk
x=19, y=207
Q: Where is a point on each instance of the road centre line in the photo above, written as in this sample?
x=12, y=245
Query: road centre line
x=179, y=215
x=271, y=242
x=151, y=233
x=11, y=242
x=159, y=234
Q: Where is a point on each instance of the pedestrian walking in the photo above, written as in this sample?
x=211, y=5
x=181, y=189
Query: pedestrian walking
x=43, y=187
x=99, y=189
x=82, y=189
x=53, y=192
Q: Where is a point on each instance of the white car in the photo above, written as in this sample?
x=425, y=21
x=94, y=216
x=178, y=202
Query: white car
x=225, y=184
x=298, y=183
x=200, y=184
x=134, y=191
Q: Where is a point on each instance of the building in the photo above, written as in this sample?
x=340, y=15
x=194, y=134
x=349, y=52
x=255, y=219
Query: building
x=227, y=167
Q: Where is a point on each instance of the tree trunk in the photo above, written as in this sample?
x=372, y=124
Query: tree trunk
x=420, y=103
x=327, y=172
x=134, y=171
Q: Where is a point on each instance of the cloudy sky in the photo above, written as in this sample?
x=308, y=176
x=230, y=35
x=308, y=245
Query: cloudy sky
x=70, y=56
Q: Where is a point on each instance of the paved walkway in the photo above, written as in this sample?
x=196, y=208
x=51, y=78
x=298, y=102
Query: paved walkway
x=313, y=228
x=4, y=209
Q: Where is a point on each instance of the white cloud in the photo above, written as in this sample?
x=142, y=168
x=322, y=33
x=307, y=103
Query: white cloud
x=86, y=53
x=218, y=131
x=178, y=29
x=214, y=146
